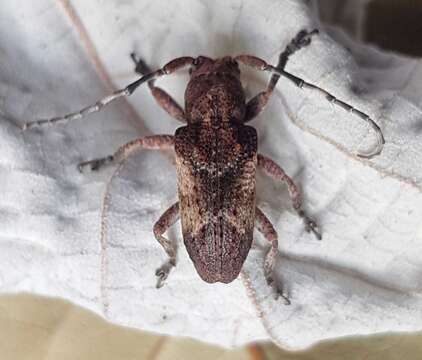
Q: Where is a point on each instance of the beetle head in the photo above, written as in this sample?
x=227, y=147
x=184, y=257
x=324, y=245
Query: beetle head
x=204, y=65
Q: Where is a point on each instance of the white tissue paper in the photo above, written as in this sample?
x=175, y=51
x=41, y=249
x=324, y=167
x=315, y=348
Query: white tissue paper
x=88, y=237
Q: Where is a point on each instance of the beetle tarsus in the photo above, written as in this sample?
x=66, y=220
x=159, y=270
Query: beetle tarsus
x=302, y=39
x=163, y=272
x=141, y=67
x=95, y=164
x=310, y=225
x=278, y=290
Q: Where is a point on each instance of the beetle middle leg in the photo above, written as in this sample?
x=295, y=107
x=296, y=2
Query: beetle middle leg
x=257, y=103
x=265, y=227
x=153, y=142
x=161, y=97
x=276, y=172
x=170, y=216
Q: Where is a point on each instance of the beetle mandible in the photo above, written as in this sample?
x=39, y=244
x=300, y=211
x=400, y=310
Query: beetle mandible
x=216, y=160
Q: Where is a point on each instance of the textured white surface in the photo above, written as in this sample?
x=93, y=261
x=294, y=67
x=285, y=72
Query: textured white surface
x=364, y=277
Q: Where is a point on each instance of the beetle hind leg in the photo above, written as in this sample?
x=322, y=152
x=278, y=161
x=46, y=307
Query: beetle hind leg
x=265, y=227
x=170, y=216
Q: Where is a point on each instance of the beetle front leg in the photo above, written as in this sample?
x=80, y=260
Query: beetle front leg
x=276, y=172
x=170, y=216
x=154, y=142
x=265, y=227
x=257, y=103
x=161, y=97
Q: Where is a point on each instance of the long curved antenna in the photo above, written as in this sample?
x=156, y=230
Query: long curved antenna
x=333, y=100
x=127, y=91
x=95, y=107
x=260, y=64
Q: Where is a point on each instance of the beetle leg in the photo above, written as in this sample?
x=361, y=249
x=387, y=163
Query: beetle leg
x=277, y=173
x=161, y=97
x=257, y=103
x=167, y=69
x=170, y=216
x=153, y=142
x=265, y=227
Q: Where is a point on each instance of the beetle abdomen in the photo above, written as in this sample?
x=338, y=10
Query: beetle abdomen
x=216, y=181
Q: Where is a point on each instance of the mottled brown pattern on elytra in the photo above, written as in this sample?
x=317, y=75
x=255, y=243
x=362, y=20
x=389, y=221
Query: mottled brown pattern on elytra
x=216, y=181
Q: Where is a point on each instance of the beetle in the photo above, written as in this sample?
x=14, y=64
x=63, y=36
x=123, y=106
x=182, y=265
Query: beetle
x=216, y=160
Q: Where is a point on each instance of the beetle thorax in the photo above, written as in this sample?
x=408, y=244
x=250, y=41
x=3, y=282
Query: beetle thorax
x=214, y=94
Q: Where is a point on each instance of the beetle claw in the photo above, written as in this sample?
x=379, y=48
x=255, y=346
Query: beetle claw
x=286, y=299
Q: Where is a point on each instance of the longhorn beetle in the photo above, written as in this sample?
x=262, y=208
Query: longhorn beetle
x=216, y=160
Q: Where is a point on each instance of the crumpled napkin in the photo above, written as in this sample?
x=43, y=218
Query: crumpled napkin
x=88, y=237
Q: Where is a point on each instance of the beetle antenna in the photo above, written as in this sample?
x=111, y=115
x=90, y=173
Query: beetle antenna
x=333, y=100
x=262, y=65
x=128, y=90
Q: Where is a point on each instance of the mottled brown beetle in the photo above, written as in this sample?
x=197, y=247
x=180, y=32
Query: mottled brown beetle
x=216, y=160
